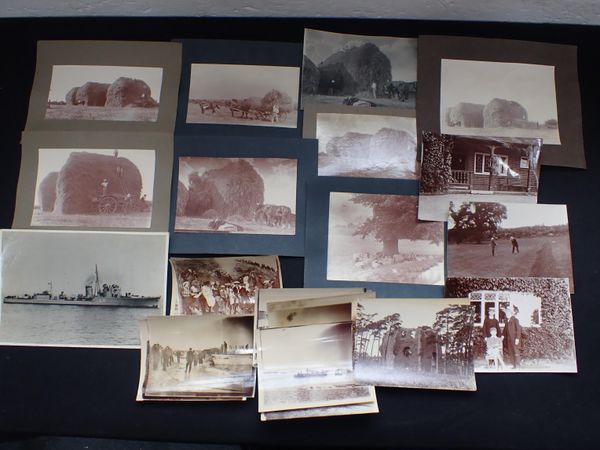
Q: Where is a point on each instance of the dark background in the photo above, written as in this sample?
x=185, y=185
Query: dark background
x=91, y=392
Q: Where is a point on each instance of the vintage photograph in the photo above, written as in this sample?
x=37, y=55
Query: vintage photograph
x=119, y=93
x=94, y=188
x=367, y=146
x=377, y=238
x=237, y=195
x=359, y=70
x=521, y=324
x=495, y=239
x=418, y=343
x=317, y=373
x=238, y=94
x=80, y=288
x=500, y=99
x=199, y=356
x=460, y=168
x=326, y=411
x=221, y=285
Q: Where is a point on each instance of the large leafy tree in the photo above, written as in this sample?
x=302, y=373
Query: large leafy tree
x=476, y=220
x=395, y=217
x=436, y=170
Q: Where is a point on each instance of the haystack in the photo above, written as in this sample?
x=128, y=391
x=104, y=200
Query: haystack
x=310, y=77
x=71, y=97
x=47, y=192
x=80, y=181
x=385, y=145
x=334, y=79
x=465, y=115
x=503, y=113
x=129, y=92
x=92, y=94
x=182, y=198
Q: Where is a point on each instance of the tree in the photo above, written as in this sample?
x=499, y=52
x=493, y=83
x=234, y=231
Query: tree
x=395, y=217
x=454, y=326
x=476, y=220
x=274, y=96
x=436, y=169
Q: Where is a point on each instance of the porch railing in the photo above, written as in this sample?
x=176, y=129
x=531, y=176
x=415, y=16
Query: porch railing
x=462, y=177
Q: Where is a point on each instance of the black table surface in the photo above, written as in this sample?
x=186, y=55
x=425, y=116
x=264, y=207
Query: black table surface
x=91, y=392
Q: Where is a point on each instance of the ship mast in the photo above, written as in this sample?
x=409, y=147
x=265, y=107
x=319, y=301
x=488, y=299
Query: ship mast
x=96, y=283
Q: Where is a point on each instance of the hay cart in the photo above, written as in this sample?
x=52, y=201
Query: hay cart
x=113, y=203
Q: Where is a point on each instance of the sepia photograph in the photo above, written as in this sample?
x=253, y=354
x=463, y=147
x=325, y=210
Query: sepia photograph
x=377, y=238
x=521, y=324
x=367, y=146
x=118, y=93
x=495, y=239
x=318, y=372
x=238, y=94
x=358, y=70
x=237, y=195
x=326, y=411
x=500, y=99
x=416, y=343
x=460, y=169
x=94, y=188
x=282, y=314
x=221, y=285
x=199, y=356
x=80, y=288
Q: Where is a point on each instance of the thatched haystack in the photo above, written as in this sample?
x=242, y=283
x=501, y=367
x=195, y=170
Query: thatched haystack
x=465, y=115
x=47, y=191
x=182, y=198
x=235, y=188
x=92, y=94
x=310, y=77
x=71, y=97
x=364, y=64
x=503, y=113
x=334, y=79
x=129, y=92
x=80, y=181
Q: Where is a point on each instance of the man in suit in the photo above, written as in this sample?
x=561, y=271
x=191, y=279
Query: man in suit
x=512, y=336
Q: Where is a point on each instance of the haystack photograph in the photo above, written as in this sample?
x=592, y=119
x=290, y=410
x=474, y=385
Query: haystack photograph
x=367, y=146
x=496, y=239
x=237, y=195
x=317, y=373
x=119, y=93
x=417, y=343
x=221, y=285
x=521, y=324
x=460, y=168
x=356, y=70
x=80, y=288
x=94, y=188
x=199, y=356
x=485, y=98
x=377, y=238
x=238, y=94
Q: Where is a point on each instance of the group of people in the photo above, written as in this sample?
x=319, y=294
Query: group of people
x=505, y=342
x=513, y=241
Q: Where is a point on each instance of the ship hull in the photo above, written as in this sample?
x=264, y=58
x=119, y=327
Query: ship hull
x=121, y=302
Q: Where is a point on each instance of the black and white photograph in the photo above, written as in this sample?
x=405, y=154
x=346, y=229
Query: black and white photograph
x=221, y=285
x=494, y=239
x=94, y=188
x=237, y=195
x=318, y=372
x=521, y=324
x=116, y=93
x=500, y=99
x=326, y=411
x=461, y=168
x=367, y=146
x=377, y=238
x=417, y=343
x=198, y=356
x=238, y=94
x=359, y=70
x=80, y=288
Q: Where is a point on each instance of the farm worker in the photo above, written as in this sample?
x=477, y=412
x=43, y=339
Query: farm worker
x=104, y=185
x=493, y=245
x=374, y=88
x=275, y=115
x=515, y=244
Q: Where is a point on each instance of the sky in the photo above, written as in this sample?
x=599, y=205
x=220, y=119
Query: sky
x=64, y=78
x=413, y=312
x=532, y=85
x=53, y=159
x=228, y=81
x=402, y=52
x=342, y=211
x=279, y=175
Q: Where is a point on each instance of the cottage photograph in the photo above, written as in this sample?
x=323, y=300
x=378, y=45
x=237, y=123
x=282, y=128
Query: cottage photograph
x=119, y=93
x=461, y=168
x=500, y=99
x=416, y=343
x=378, y=238
x=367, y=146
x=495, y=239
x=356, y=70
x=94, y=188
x=521, y=324
x=198, y=356
x=239, y=94
x=237, y=195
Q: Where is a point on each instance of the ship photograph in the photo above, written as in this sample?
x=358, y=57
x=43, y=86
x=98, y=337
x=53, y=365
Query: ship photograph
x=80, y=288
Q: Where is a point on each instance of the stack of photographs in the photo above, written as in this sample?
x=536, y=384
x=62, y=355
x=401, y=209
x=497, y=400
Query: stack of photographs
x=201, y=358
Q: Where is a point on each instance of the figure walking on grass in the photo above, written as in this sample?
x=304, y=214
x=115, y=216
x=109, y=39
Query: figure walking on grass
x=493, y=245
x=515, y=244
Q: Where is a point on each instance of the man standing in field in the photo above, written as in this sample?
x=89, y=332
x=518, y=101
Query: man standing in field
x=515, y=244
x=493, y=245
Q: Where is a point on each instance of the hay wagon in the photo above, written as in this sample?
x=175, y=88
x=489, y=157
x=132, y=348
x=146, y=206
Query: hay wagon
x=265, y=114
x=111, y=204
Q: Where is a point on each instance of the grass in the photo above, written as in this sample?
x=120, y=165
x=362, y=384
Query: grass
x=380, y=101
x=129, y=114
x=130, y=220
x=185, y=223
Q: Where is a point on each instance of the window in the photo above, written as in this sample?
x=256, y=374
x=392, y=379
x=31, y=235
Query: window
x=524, y=163
x=529, y=306
x=483, y=163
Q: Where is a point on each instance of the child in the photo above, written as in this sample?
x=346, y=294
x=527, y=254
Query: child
x=493, y=350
